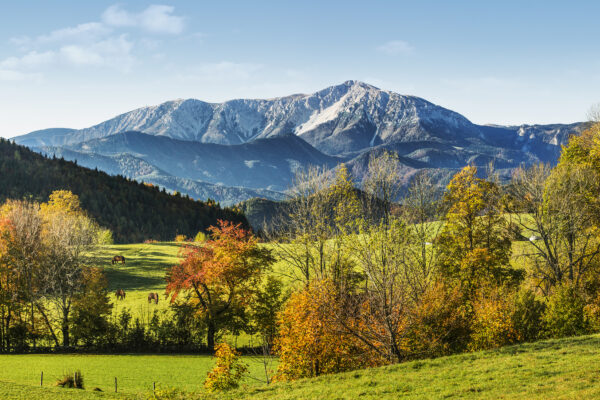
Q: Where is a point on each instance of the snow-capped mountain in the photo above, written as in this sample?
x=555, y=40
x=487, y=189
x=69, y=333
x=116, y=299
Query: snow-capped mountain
x=347, y=117
x=347, y=121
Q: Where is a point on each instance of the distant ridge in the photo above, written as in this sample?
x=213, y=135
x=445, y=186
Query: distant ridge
x=223, y=143
x=133, y=211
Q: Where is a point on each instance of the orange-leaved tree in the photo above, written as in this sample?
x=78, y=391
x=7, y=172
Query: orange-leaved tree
x=220, y=275
x=310, y=341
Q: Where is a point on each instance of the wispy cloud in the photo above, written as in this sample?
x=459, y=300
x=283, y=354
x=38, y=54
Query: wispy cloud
x=97, y=43
x=155, y=19
x=30, y=60
x=112, y=52
x=15, y=76
x=395, y=47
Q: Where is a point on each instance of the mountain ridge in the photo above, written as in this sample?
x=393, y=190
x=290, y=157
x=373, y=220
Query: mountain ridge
x=246, y=142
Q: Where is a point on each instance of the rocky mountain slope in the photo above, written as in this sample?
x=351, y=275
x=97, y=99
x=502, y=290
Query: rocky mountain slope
x=258, y=144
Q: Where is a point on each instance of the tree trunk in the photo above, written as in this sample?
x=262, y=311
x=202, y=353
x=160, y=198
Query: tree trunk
x=33, y=324
x=48, y=324
x=65, y=331
x=210, y=335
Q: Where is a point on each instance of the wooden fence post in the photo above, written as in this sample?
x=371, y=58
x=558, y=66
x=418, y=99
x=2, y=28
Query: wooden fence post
x=115, y=384
x=42, y=379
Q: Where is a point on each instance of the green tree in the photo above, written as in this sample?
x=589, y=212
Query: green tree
x=91, y=308
x=474, y=244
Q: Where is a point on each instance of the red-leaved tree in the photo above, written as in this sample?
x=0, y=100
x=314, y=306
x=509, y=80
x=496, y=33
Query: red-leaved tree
x=220, y=275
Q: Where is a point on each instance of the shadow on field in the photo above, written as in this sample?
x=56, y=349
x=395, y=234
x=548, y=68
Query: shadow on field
x=120, y=279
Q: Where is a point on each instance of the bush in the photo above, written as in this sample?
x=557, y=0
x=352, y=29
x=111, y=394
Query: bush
x=492, y=324
x=180, y=238
x=592, y=313
x=310, y=341
x=564, y=314
x=527, y=316
x=105, y=237
x=441, y=325
x=228, y=371
x=167, y=393
x=71, y=380
x=201, y=237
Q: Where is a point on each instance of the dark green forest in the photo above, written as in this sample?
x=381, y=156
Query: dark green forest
x=133, y=211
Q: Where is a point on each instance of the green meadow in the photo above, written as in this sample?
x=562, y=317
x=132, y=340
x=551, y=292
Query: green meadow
x=554, y=369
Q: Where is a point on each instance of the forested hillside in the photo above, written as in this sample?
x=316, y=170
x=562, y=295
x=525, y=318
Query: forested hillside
x=133, y=211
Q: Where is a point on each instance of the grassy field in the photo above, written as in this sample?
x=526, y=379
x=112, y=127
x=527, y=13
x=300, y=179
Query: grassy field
x=555, y=369
x=134, y=373
x=143, y=272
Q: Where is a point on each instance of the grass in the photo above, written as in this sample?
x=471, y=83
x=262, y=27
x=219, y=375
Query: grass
x=554, y=369
x=134, y=373
x=143, y=272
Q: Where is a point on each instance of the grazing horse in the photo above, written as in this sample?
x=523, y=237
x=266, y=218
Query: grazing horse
x=116, y=259
x=153, y=297
x=120, y=294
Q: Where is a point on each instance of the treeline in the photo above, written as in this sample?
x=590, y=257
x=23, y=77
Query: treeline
x=477, y=266
x=133, y=211
x=50, y=296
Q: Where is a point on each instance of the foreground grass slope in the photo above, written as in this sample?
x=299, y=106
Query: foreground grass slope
x=555, y=369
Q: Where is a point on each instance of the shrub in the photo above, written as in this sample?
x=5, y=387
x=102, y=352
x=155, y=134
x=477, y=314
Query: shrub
x=180, y=238
x=71, y=380
x=564, y=314
x=201, y=237
x=105, y=237
x=310, y=342
x=592, y=313
x=527, y=316
x=228, y=371
x=167, y=393
x=441, y=324
x=493, y=324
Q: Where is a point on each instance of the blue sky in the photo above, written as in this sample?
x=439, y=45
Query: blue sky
x=77, y=63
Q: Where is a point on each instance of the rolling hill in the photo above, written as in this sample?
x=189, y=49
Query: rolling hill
x=132, y=210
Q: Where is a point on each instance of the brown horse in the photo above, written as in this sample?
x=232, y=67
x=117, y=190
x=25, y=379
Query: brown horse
x=120, y=294
x=117, y=259
x=153, y=297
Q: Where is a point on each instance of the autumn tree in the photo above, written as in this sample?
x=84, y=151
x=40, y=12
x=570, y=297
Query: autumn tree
x=474, y=244
x=310, y=341
x=229, y=369
x=558, y=208
x=68, y=236
x=220, y=276
x=21, y=259
x=323, y=209
x=382, y=184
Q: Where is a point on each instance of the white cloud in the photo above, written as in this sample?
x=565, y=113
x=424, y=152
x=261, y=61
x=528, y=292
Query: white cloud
x=81, y=32
x=30, y=60
x=93, y=43
x=112, y=52
x=15, y=76
x=155, y=18
x=395, y=47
